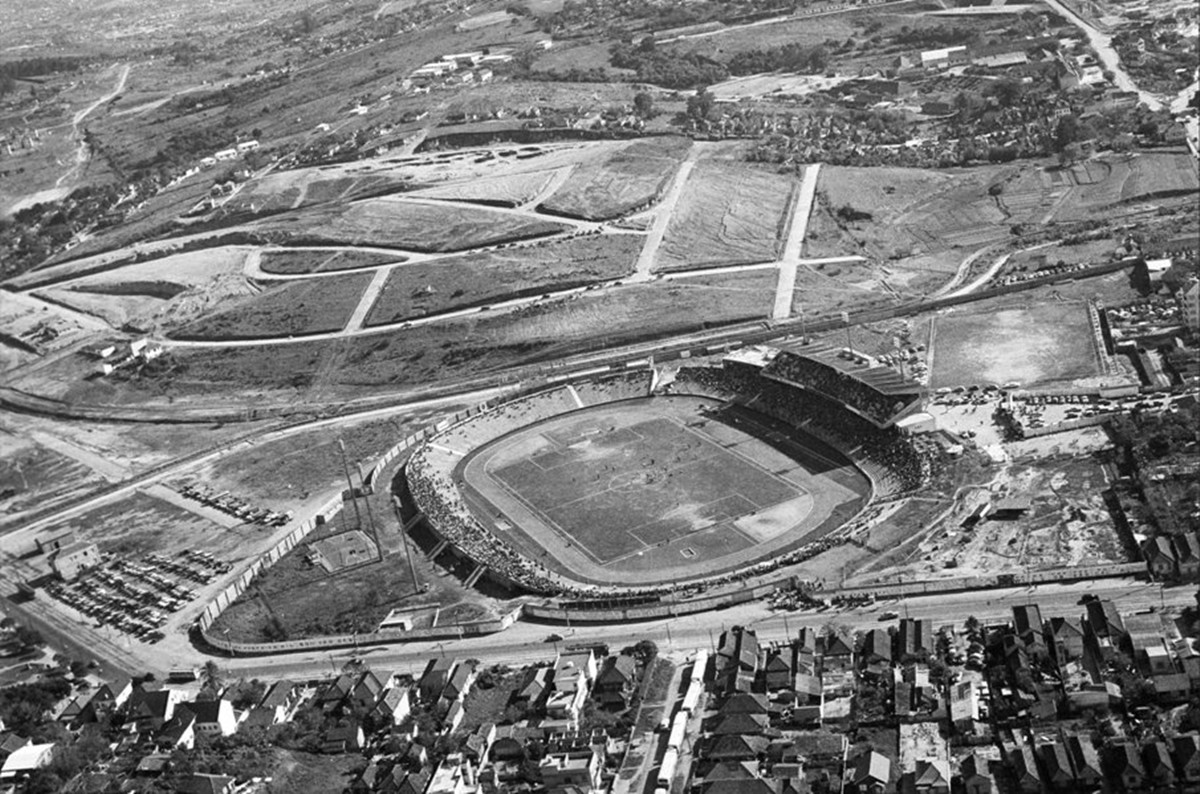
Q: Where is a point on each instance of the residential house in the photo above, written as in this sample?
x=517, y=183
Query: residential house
x=336, y=691
x=344, y=739
x=459, y=682
x=179, y=731
x=213, y=717
x=22, y=762
x=1065, y=637
x=1025, y=773
x=1057, y=765
x=779, y=668
x=836, y=653
x=1125, y=764
x=478, y=745
x=365, y=692
x=560, y=770
x=1187, y=759
x=1159, y=766
x=976, y=775
x=745, y=703
x=454, y=716
x=533, y=687
x=736, y=747
x=1085, y=762
x=1187, y=555
x=1171, y=688
x=452, y=776
x=433, y=680
x=149, y=710
x=393, y=706
x=745, y=724
x=615, y=683
x=877, y=647
x=1159, y=554
x=871, y=773
x=914, y=640
x=931, y=776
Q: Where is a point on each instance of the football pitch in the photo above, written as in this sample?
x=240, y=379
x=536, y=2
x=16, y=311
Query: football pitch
x=638, y=488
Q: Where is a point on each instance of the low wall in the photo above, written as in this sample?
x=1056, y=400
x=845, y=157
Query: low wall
x=991, y=582
x=1066, y=424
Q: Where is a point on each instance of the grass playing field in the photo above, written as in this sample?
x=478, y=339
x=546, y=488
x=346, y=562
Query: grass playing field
x=631, y=490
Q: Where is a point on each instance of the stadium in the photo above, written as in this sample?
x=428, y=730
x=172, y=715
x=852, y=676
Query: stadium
x=643, y=482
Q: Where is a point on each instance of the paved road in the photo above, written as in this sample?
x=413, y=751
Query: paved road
x=525, y=642
x=666, y=208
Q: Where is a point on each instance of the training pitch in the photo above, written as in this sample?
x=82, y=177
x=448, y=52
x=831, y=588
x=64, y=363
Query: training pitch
x=663, y=488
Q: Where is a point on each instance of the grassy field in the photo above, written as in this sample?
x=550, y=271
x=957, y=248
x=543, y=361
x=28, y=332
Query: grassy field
x=1028, y=344
x=506, y=190
x=293, y=309
x=285, y=190
x=288, y=262
x=639, y=487
x=422, y=288
x=729, y=213
x=620, y=183
x=416, y=226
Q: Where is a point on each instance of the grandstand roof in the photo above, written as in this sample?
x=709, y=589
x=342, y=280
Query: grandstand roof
x=756, y=355
x=884, y=380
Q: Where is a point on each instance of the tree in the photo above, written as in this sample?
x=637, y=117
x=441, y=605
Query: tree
x=1067, y=131
x=1069, y=155
x=210, y=677
x=643, y=103
x=700, y=104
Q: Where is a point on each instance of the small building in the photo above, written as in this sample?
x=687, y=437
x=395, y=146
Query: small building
x=1011, y=507
x=247, y=146
x=70, y=561
x=52, y=542
x=23, y=761
x=871, y=773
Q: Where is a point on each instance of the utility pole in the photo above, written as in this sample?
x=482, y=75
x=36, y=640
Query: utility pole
x=404, y=542
x=370, y=516
x=350, y=483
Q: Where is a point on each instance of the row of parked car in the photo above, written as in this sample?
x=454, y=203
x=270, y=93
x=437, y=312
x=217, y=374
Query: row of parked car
x=199, y=567
x=110, y=608
x=234, y=505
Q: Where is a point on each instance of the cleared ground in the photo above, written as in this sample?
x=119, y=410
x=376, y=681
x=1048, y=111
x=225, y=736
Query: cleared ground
x=627, y=491
x=421, y=289
x=294, y=309
x=624, y=181
x=417, y=226
x=32, y=476
x=1029, y=345
x=730, y=213
x=287, y=262
x=507, y=190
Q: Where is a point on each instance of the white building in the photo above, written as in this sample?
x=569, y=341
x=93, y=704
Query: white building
x=1189, y=303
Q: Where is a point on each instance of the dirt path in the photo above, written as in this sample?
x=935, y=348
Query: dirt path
x=785, y=290
x=110, y=471
x=666, y=208
x=81, y=151
x=551, y=187
x=369, y=296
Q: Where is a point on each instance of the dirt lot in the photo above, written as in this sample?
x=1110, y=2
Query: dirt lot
x=507, y=190
x=394, y=223
x=422, y=289
x=729, y=214
x=624, y=181
x=140, y=524
x=32, y=476
x=287, y=262
x=292, y=309
x=1068, y=526
x=1030, y=345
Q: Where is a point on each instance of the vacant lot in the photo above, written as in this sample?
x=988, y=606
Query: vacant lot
x=288, y=262
x=416, y=226
x=729, y=214
x=624, y=181
x=32, y=476
x=293, y=309
x=507, y=190
x=1030, y=345
x=140, y=524
x=426, y=288
x=1098, y=186
x=285, y=190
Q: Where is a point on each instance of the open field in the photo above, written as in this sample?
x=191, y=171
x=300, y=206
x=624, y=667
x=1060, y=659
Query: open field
x=1029, y=345
x=285, y=190
x=288, y=262
x=729, y=214
x=32, y=476
x=293, y=309
x=507, y=190
x=426, y=288
x=624, y=181
x=624, y=491
x=416, y=226
x=1099, y=186
x=140, y=524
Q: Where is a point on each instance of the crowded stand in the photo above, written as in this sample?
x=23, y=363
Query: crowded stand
x=887, y=457
x=626, y=386
x=825, y=379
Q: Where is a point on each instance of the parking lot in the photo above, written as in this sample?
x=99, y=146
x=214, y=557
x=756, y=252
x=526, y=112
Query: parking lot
x=137, y=598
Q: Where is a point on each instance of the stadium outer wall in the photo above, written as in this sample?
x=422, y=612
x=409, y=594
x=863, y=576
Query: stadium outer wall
x=711, y=592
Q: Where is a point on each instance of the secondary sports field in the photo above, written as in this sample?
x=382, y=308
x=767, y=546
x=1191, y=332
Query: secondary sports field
x=650, y=490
